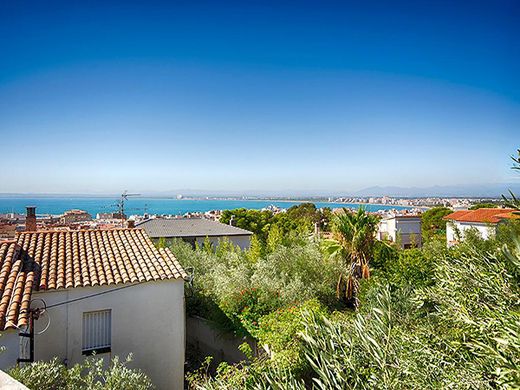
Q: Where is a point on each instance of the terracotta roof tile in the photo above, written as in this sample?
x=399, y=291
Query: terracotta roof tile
x=482, y=215
x=47, y=260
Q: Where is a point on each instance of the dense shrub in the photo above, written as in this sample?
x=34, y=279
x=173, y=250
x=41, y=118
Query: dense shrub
x=279, y=333
x=298, y=272
x=231, y=283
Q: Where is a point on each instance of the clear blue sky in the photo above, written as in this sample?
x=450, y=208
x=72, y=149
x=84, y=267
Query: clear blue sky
x=250, y=95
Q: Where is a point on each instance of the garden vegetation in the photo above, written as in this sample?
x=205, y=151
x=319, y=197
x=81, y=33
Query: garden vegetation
x=430, y=317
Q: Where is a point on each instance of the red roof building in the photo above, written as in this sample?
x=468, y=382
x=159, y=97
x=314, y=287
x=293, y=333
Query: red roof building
x=482, y=215
x=483, y=221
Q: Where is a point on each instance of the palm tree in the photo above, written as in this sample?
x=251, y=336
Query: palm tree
x=354, y=236
x=514, y=202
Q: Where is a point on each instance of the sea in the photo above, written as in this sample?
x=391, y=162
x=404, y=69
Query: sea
x=139, y=206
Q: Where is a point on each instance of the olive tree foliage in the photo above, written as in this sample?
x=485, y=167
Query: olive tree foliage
x=236, y=287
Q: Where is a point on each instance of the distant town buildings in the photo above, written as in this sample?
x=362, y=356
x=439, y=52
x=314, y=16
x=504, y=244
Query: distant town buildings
x=74, y=216
x=110, y=216
x=455, y=203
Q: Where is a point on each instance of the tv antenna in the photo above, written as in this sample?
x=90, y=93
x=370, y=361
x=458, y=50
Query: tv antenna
x=121, y=205
x=37, y=311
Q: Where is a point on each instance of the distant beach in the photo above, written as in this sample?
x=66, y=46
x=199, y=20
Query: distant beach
x=94, y=205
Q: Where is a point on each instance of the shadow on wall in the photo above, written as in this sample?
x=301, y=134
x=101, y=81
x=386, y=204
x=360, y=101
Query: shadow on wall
x=203, y=340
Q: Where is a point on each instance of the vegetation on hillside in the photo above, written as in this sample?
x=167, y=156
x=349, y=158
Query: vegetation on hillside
x=430, y=317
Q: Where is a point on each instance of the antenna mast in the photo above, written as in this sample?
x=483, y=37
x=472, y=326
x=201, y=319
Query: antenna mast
x=121, y=205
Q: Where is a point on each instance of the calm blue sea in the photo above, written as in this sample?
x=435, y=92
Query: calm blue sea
x=94, y=205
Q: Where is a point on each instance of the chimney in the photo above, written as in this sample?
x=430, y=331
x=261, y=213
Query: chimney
x=30, y=219
x=131, y=224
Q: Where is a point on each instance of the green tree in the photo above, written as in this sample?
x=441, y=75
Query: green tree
x=255, y=221
x=256, y=249
x=483, y=206
x=161, y=243
x=354, y=242
x=274, y=238
x=433, y=223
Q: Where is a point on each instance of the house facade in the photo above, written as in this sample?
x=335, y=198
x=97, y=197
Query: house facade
x=402, y=229
x=109, y=292
x=196, y=231
x=484, y=221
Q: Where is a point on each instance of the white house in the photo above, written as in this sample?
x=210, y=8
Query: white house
x=405, y=229
x=485, y=221
x=196, y=230
x=105, y=291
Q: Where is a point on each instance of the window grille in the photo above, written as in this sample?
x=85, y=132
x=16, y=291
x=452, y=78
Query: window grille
x=97, y=326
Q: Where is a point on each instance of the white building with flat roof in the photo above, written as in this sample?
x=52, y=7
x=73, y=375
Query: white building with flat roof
x=402, y=229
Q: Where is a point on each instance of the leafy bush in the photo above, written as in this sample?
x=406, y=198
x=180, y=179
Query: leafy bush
x=411, y=267
x=282, y=367
x=279, y=333
x=298, y=272
x=475, y=301
x=90, y=374
x=41, y=375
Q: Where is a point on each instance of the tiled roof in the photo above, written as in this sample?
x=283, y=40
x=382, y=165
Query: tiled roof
x=481, y=215
x=50, y=260
x=189, y=227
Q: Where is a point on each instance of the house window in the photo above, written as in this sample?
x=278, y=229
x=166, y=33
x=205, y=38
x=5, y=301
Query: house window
x=97, y=326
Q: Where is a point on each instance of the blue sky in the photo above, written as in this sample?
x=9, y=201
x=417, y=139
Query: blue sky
x=251, y=95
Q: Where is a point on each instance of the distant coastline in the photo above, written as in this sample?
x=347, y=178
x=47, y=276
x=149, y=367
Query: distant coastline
x=141, y=205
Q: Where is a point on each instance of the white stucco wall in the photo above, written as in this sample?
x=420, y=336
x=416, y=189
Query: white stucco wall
x=148, y=320
x=450, y=233
x=409, y=230
x=207, y=341
x=485, y=230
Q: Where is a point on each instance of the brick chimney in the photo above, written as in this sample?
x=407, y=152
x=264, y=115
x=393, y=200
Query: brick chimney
x=131, y=224
x=30, y=219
